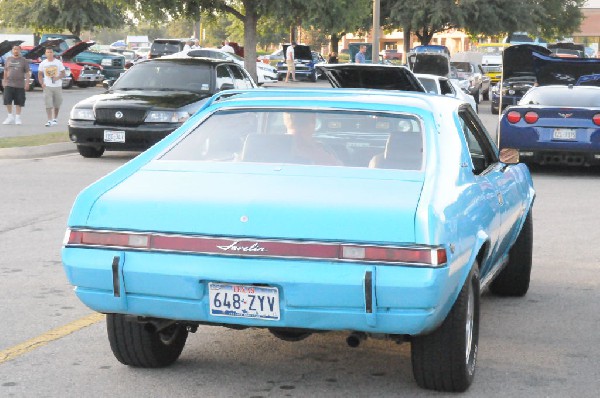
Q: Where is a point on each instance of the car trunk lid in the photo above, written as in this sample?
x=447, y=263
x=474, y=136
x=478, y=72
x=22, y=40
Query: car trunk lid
x=264, y=201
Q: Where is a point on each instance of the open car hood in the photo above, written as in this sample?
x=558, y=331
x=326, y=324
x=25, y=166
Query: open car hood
x=518, y=60
x=576, y=71
x=40, y=49
x=301, y=52
x=382, y=77
x=75, y=49
x=429, y=63
x=7, y=45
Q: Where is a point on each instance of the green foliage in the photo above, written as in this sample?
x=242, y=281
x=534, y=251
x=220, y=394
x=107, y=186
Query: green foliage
x=547, y=18
x=60, y=15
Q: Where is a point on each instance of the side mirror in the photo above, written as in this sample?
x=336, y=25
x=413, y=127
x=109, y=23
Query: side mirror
x=226, y=86
x=108, y=83
x=509, y=155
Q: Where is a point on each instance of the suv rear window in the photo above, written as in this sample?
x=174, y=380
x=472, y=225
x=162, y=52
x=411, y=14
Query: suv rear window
x=160, y=48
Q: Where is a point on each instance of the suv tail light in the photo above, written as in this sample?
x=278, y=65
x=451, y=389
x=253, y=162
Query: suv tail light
x=596, y=119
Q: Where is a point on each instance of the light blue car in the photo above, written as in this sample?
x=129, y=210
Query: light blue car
x=379, y=213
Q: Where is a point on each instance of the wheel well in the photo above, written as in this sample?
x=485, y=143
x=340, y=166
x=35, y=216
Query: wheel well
x=483, y=251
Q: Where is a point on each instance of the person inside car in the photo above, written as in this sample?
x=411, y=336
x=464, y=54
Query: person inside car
x=306, y=149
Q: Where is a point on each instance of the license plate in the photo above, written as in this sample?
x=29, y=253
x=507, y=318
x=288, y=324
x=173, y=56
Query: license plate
x=244, y=301
x=564, y=134
x=114, y=136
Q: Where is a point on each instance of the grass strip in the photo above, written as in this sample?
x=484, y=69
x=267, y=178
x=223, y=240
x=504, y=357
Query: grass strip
x=34, y=140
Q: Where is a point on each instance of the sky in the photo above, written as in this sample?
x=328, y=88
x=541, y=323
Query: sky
x=592, y=4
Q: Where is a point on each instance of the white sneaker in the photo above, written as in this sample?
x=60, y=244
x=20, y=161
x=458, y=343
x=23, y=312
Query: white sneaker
x=9, y=120
x=48, y=123
x=54, y=122
x=18, y=119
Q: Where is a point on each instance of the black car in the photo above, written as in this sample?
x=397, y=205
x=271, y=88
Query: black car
x=382, y=77
x=149, y=101
x=518, y=75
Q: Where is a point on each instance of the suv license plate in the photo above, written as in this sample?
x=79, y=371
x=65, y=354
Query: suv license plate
x=244, y=301
x=564, y=134
x=114, y=136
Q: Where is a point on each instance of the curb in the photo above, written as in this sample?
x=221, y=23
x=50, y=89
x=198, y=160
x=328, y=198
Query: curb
x=42, y=151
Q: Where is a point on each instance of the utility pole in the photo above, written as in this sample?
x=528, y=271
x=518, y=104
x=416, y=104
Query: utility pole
x=376, y=24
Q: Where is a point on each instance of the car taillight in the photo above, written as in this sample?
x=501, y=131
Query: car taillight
x=410, y=255
x=513, y=116
x=596, y=119
x=531, y=117
x=429, y=256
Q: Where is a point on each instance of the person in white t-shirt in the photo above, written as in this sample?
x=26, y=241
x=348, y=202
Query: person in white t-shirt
x=290, y=60
x=50, y=74
x=226, y=47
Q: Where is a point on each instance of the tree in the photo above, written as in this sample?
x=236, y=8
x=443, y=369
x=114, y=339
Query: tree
x=550, y=19
x=60, y=15
x=247, y=11
x=336, y=17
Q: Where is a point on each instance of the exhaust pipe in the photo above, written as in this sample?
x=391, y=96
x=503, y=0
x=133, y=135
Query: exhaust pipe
x=354, y=339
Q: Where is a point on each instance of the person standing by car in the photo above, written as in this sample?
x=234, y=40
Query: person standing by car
x=227, y=48
x=50, y=74
x=15, y=82
x=359, y=58
x=333, y=58
x=290, y=61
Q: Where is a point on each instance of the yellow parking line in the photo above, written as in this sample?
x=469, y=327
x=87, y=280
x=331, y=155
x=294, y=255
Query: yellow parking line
x=51, y=335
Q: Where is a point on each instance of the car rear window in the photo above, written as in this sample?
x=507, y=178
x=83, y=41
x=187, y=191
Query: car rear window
x=166, y=76
x=347, y=139
x=164, y=48
x=563, y=96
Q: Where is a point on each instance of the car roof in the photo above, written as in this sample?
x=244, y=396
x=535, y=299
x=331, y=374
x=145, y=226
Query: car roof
x=190, y=60
x=328, y=98
x=430, y=76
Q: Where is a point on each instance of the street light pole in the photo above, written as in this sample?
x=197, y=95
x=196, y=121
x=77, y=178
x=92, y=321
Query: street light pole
x=376, y=23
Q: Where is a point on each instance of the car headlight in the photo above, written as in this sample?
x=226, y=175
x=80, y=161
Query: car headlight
x=495, y=89
x=266, y=68
x=167, y=117
x=82, y=114
x=106, y=62
x=67, y=72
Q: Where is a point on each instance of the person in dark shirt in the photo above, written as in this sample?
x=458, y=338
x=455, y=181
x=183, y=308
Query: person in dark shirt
x=15, y=82
x=333, y=58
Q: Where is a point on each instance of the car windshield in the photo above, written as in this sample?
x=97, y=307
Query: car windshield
x=563, y=96
x=350, y=139
x=461, y=66
x=167, y=76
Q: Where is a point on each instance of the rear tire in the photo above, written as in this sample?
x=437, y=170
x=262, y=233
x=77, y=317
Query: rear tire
x=90, y=151
x=495, y=110
x=445, y=359
x=486, y=95
x=514, y=278
x=313, y=77
x=137, y=344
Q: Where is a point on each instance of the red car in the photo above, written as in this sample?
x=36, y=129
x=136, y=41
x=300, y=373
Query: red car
x=85, y=74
